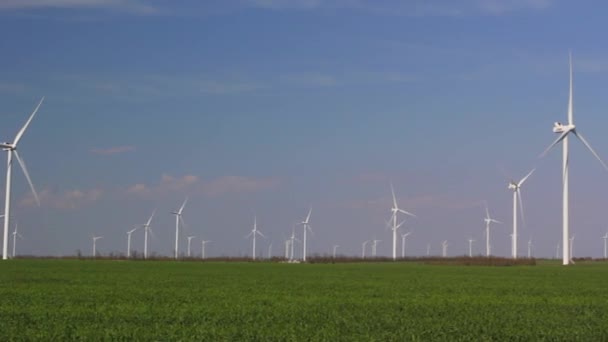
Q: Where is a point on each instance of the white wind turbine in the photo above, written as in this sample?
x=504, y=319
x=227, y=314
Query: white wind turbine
x=403, y=237
x=15, y=235
x=306, y=226
x=471, y=247
x=396, y=210
x=564, y=131
x=374, y=247
x=335, y=248
x=203, y=243
x=270, y=250
x=253, y=233
x=363, y=247
x=444, y=248
x=488, y=220
x=516, y=187
x=557, y=251
x=605, y=237
x=178, y=219
x=129, y=233
x=189, y=243
x=292, y=242
x=572, y=249
x=287, y=242
x=95, y=238
x=529, y=248
x=11, y=149
x=146, y=230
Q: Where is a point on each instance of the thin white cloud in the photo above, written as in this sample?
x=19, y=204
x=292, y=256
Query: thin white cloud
x=70, y=199
x=113, y=150
x=133, y=6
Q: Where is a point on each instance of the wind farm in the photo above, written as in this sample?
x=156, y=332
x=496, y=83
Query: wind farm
x=304, y=170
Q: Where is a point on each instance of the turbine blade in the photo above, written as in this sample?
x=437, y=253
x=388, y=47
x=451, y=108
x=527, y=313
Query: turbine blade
x=308, y=216
x=526, y=177
x=150, y=219
x=406, y=213
x=27, y=123
x=555, y=142
x=570, y=95
x=495, y=221
x=394, y=198
x=262, y=235
x=487, y=210
x=584, y=141
x=182, y=207
x=27, y=176
x=521, y=209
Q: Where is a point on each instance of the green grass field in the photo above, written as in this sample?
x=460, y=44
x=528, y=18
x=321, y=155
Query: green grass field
x=88, y=300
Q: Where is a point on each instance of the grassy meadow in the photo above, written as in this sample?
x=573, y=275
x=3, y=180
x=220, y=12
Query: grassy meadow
x=92, y=300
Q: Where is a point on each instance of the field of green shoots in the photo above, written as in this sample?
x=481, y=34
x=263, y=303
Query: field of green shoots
x=61, y=300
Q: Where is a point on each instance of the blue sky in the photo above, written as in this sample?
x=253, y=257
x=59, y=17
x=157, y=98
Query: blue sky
x=272, y=106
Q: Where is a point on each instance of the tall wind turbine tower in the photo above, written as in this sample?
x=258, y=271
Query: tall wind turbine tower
x=15, y=235
x=374, y=247
x=516, y=187
x=363, y=248
x=178, y=219
x=190, y=243
x=11, y=149
x=203, y=243
x=488, y=220
x=335, y=249
x=564, y=132
x=444, y=248
x=395, y=211
x=95, y=238
x=471, y=247
x=253, y=234
x=403, y=237
x=605, y=237
x=529, y=248
x=306, y=226
x=146, y=231
x=129, y=233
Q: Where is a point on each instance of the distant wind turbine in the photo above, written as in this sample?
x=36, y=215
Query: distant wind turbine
x=292, y=242
x=605, y=237
x=564, y=132
x=529, y=248
x=488, y=220
x=254, y=233
x=203, y=243
x=146, y=230
x=15, y=235
x=363, y=248
x=572, y=249
x=95, y=238
x=335, y=248
x=306, y=226
x=374, y=247
x=516, y=187
x=11, y=149
x=189, y=243
x=403, y=237
x=444, y=248
x=178, y=219
x=471, y=247
x=129, y=233
x=270, y=250
x=395, y=211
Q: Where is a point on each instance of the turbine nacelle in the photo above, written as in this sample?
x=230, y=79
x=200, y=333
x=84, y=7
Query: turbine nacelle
x=558, y=127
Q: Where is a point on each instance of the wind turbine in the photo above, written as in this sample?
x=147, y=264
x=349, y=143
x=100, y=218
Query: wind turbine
x=146, y=230
x=129, y=233
x=11, y=148
x=572, y=249
x=529, y=248
x=95, y=238
x=471, y=247
x=374, y=245
x=403, y=237
x=516, y=187
x=270, y=250
x=557, y=251
x=363, y=247
x=253, y=233
x=306, y=226
x=335, y=248
x=444, y=248
x=287, y=242
x=396, y=210
x=564, y=131
x=292, y=241
x=178, y=219
x=203, y=243
x=605, y=237
x=488, y=220
x=15, y=235
x=189, y=243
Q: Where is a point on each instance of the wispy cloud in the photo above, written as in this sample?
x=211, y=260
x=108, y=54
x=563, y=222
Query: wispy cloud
x=113, y=150
x=193, y=185
x=7, y=87
x=229, y=87
x=132, y=6
x=70, y=199
x=311, y=79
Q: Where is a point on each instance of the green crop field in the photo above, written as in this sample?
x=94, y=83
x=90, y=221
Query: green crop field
x=60, y=300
